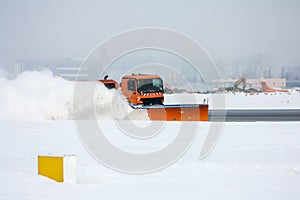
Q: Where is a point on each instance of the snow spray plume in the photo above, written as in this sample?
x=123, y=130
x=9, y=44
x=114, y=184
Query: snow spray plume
x=38, y=95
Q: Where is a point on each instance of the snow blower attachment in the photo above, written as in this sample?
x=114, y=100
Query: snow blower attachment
x=145, y=91
x=109, y=83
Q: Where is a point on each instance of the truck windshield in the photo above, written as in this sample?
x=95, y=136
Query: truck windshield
x=150, y=85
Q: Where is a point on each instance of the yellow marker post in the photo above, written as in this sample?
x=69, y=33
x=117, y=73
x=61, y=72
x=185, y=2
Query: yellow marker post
x=58, y=168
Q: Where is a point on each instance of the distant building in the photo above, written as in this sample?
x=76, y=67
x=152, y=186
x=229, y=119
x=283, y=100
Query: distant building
x=272, y=82
x=256, y=83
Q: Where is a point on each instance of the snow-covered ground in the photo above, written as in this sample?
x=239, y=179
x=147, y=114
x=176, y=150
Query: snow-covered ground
x=252, y=160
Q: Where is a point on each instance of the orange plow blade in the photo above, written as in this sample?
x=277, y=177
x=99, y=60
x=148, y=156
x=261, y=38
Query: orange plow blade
x=190, y=112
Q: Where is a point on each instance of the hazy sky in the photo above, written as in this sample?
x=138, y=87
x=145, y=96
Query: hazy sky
x=227, y=29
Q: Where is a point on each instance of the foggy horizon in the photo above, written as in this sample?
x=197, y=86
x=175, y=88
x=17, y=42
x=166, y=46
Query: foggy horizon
x=228, y=30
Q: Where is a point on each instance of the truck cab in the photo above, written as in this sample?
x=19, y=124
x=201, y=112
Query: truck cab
x=143, y=89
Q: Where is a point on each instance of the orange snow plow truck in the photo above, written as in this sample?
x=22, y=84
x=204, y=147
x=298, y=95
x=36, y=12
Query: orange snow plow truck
x=145, y=91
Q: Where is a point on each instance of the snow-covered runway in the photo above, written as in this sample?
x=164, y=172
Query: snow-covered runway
x=251, y=161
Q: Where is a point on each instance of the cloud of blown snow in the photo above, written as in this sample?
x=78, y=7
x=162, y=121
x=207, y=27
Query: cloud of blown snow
x=38, y=95
x=3, y=72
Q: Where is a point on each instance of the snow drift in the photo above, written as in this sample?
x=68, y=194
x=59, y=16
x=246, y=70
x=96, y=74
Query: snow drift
x=38, y=95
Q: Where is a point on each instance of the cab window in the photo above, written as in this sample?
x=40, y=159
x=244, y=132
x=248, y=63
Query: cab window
x=131, y=85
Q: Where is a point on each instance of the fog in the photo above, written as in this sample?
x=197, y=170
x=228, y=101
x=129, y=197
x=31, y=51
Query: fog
x=37, y=30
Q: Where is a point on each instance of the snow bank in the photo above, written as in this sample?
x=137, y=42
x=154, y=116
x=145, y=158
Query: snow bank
x=277, y=100
x=38, y=95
